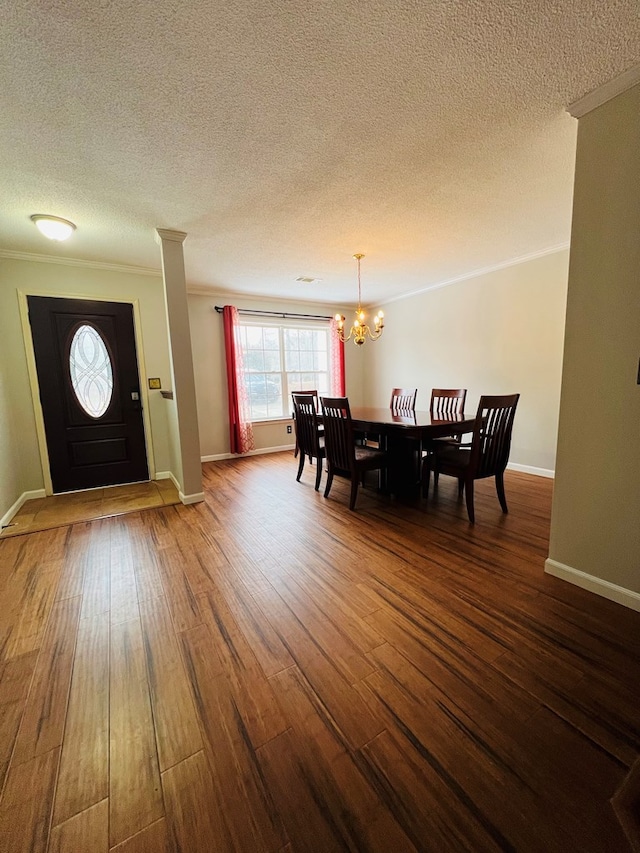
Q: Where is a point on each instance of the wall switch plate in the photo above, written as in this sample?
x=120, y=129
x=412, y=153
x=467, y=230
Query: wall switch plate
x=155, y=383
x=289, y=429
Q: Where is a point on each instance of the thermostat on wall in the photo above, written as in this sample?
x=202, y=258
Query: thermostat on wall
x=155, y=383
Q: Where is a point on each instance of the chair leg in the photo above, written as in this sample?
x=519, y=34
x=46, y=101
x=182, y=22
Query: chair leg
x=300, y=466
x=469, y=499
x=355, y=481
x=500, y=491
x=318, y=472
x=327, y=488
x=426, y=476
x=460, y=487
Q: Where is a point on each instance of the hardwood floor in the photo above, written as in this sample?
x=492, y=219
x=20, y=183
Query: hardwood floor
x=268, y=671
x=72, y=507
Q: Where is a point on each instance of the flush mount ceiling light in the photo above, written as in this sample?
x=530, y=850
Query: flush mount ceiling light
x=53, y=227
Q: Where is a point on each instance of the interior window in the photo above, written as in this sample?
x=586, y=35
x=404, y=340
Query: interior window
x=279, y=359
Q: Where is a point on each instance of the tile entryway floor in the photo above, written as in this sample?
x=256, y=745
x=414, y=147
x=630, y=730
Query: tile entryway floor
x=60, y=510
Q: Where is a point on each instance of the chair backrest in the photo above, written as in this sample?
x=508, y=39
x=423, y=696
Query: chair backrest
x=491, y=440
x=339, y=441
x=306, y=420
x=313, y=394
x=403, y=398
x=448, y=401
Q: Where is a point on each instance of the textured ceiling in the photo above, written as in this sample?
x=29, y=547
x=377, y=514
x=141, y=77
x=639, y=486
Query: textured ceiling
x=283, y=136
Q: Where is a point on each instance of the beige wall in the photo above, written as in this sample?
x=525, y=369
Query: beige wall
x=596, y=510
x=12, y=478
x=19, y=453
x=498, y=333
x=207, y=341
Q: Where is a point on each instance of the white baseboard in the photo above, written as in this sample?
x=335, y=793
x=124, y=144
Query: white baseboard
x=218, y=457
x=167, y=475
x=529, y=469
x=191, y=499
x=24, y=497
x=612, y=591
x=185, y=499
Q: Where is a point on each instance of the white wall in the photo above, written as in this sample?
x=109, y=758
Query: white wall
x=207, y=339
x=595, y=526
x=20, y=462
x=498, y=333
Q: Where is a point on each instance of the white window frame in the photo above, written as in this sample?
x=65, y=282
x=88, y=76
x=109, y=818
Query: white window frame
x=282, y=375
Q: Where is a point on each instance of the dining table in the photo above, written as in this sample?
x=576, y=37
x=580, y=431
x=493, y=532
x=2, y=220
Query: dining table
x=404, y=435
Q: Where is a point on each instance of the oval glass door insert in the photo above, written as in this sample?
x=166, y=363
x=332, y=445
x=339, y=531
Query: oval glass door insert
x=91, y=371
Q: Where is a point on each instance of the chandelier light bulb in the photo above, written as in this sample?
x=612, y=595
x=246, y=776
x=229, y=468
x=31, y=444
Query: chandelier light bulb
x=53, y=227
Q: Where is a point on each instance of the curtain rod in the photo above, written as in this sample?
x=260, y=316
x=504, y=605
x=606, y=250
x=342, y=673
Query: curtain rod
x=283, y=315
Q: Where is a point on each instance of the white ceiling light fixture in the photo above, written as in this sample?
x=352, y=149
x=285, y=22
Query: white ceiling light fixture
x=53, y=227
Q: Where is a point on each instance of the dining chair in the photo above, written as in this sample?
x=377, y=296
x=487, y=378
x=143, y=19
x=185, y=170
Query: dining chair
x=403, y=398
x=308, y=437
x=446, y=402
x=313, y=394
x=343, y=455
x=486, y=456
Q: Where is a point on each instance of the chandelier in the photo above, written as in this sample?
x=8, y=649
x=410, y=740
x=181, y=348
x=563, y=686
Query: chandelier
x=360, y=331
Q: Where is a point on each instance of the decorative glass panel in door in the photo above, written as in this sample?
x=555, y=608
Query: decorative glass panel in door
x=91, y=371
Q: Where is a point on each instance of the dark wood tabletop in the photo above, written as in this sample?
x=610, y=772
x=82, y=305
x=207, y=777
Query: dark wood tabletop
x=417, y=424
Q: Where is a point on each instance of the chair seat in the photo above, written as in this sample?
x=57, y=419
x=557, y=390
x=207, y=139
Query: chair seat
x=453, y=456
x=369, y=454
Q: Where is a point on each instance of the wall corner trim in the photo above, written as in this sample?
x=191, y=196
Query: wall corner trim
x=626, y=597
x=191, y=499
x=168, y=475
x=185, y=499
x=24, y=497
x=605, y=93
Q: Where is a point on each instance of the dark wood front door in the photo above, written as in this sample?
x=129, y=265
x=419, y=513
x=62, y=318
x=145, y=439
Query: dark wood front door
x=90, y=391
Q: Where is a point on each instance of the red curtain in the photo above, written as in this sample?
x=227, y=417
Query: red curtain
x=240, y=427
x=338, y=385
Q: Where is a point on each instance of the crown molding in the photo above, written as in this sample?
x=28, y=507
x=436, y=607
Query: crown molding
x=203, y=290
x=77, y=262
x=605, y=93
x=476, y=273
